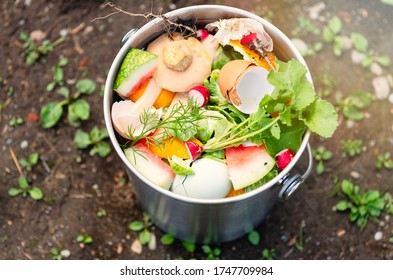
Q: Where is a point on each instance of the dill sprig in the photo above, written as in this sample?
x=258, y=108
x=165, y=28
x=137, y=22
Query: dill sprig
x=179, y=121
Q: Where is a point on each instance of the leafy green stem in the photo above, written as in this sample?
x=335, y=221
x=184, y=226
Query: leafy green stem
x=235, y=139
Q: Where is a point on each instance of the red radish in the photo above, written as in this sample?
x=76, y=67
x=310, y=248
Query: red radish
x=202, y=33
x=200, y=94
x=193, y=149
x=247, y=165
x=247, y=39
x=284, y=157
x=150, y=165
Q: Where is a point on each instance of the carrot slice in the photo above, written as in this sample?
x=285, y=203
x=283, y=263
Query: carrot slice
x=171, y=147
x=164, y=99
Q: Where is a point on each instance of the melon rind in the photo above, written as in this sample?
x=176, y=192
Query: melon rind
x=150, y=166
x=137, y=66
x=247, y=165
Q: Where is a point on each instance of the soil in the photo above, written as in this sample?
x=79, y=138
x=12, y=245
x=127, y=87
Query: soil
x=77, y=185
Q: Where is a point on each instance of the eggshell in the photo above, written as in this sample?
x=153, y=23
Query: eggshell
x=230, y=73
x=251, y=88
x=210, y=180
x=244, y=84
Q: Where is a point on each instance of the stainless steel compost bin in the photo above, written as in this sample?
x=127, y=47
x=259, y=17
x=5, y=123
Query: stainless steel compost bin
x=203, y=220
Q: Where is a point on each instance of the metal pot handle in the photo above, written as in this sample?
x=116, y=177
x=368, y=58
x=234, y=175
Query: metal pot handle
x=291, y=184
x=128, y=35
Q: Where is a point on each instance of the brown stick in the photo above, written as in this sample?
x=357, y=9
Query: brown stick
x=16, y=162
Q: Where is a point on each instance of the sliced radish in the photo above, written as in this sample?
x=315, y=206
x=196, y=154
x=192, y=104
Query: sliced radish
x=283, y=158
x=200, y=94
x=247, y=39
x=202, y=33
x=194, y=150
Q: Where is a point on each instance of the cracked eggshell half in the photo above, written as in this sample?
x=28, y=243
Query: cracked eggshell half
x=244, y=84
x=210, y=181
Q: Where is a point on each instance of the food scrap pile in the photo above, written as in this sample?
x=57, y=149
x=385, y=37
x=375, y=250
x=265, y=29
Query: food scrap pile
x=217, y=114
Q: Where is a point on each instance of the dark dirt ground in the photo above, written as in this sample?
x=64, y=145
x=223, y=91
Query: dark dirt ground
x=76, y=185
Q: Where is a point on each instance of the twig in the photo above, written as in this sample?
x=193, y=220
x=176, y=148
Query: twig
x=147, y=16
x=16, y=162
x=77, y=29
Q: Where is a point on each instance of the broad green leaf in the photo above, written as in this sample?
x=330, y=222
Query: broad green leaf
x=50, y=114
x=362, y=222
x=371, y=195
x=22, y=182
x=167, y=239
x=80, y=238
x=86, y=86
x=335, y=24
x=33, y=158
x=64, y=91
x=321, y=118
x=387, y=2
x=342, y=205
x=353, y=113
x=88, y=239
x=384, y=60
x=367, y=61
x=144, y=236
x=101, y=148
x=58, y=74
x=14, y=191
x=254, y=237
x=338, y=48
x=96, y=134
x=51, y=86
x=353, y=216
x=347, y=187
x=328, y=35
x=275, y=131
x=136, y=226
x=359, y=41
x=78, y=110
x=63, y=61
x=36, y=193
x=190, y=247
x=81, y=139
x=320, y=168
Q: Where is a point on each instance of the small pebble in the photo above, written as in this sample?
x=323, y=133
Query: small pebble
x=300, y=45
x=37, y=35
x=378, y=235
x=357, y=56
x=390, y=98
x=340, y=232
x=172, y=6
x=355, y=174
x=350, y=123
x=152, y=245
x=63, y=32
x=381, y=87
x=347, y=43
x=24, y=144
x=136, y=247
x=316, y=9
x=65, y=253
x=376, y=69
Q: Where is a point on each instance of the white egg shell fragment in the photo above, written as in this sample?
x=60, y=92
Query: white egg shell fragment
x=210, y=181
x=126, y=120
x=251, y=88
